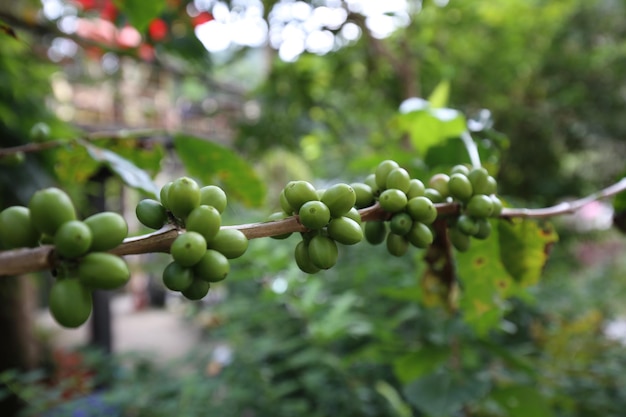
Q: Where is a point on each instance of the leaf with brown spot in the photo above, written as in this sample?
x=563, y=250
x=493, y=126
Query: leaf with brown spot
x=525, y=246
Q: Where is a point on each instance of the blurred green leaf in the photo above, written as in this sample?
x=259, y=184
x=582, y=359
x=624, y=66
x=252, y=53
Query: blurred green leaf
x=395, y=401
x=444, y=393
x=421, y=362
x=147, y=155
x=140, y=12
x=439, y=97
x=74, y=164
x=209, y=161
x=524, y=248
x=132, y=175
x=430, y=127
x=522, y=401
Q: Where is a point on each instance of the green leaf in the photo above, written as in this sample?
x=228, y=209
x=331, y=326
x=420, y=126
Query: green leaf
x=522, y=401
x=400, y=408
x=430, y=127
x=129, y=173
x=444, y=393
x=147, y=155
x=209, y=162
x=73, y=164
x=439, y=96
x=486, y=283
x=524, y=248
x=421, y=362
x=500, y=267
x=139, y=12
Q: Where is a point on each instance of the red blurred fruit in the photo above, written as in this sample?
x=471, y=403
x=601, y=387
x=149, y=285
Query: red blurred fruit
x=87, y=4
x=158, y=29
x=203, y=17
x=109, y=11
x=146, y=52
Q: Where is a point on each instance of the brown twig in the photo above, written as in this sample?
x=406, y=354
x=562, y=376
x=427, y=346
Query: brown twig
x=123, y=134
x=25, y=260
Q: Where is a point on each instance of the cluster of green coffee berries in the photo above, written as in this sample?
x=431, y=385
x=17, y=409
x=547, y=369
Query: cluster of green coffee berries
x=81, y=261
x=476, y=190
x=410, y=206
x=330, y=217
x=202, y=249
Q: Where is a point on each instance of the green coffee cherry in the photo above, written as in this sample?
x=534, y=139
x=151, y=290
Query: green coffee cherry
x=439, y=182
x=492, y=186
x=480, y=206
x=188, y=248
x=354, y=215
x=460, y=187
x=382, y=171
x=497, y=206
x=421, y=209
x=314, y=215
x=345, y=230
x=467, y=225
x=460, y=169
x=17, y=229
x=375, y=232
x=400, y=223
x=177, y=277
x=72, y=239
x=364, y=194
x=151, y=213
x=205, y=220
x=339, y=198
x=397, y=245
x=231, y=243
x=13, y=159
x=163, y=194
x=371, y=181
x=103, y=270
x=392, y=200
x=459, y=240
x=420, y=235
x=49, y=209
x=279, y=215
x=479, y=177
x=108, y=230
x=416, y=189
x=183, y=196
x=299, y=192
x=284, y=204
x=323, y=252
x=213, y=267
x=301, y=254
x=433, y=195
x=484, y=229
x=70, y=302
x=212, y=195
x=40, y=132
x=399, y=179
x=197, y=290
